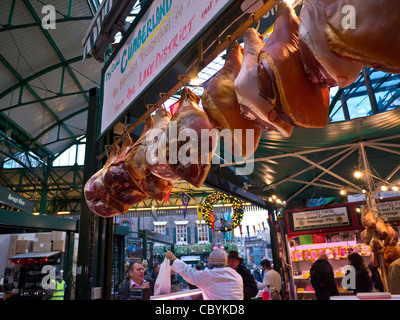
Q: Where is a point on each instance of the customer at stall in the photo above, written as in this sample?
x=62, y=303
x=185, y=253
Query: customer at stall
x=323, y=279
x=363, y=280
x=136, y=280
x=271, y=278
x=249, y=284
x=219, y=282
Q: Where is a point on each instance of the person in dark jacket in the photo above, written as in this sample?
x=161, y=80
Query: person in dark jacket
x=322, y=278
x=136, y=280
x=363, y=280
x=249, y=283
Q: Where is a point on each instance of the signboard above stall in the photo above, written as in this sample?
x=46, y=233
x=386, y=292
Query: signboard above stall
x=319, y=219
x=158, y=38
x=15, y=200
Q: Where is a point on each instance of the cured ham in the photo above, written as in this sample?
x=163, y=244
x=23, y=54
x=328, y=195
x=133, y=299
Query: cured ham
x=390, y=254
x=136, y=164
x=322, y=66
x=376, y=46
x=393, y=237
x=283, y=80
x=185, y=148
x=196, y=152
x=381, y=229
x=367, y=218
x=93, y=200
x=253, y=106
x=367, y=235
x=157, y=149
x=376, y=245
x=115, y=186
x=222, y=108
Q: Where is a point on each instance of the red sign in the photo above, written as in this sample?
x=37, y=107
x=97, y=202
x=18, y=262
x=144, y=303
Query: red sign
x=318, y=238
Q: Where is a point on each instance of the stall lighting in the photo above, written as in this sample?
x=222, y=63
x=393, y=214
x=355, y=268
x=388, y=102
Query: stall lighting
x=357, y=174
x=395, y=188
x=358, y=210
x=63, y=212
x=343, y=192
x=364, y=191
x=383, y=188
x=35, y=213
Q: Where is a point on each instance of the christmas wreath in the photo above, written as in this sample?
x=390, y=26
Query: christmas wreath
x=208, y=207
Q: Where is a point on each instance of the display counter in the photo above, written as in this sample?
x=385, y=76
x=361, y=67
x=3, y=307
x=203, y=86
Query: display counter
x=369, y=296
x=180, y=295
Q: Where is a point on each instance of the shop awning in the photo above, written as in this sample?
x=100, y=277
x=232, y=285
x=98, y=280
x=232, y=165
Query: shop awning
x=34, y=255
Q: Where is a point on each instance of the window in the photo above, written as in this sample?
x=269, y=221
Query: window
x=202, y=232
x=181, y=232
x=160, y=227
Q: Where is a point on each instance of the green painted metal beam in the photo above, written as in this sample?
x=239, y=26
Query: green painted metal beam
x=9, y=26
x=33, y=93
x=59, y=123
x=54, y=46
x=38, y=74
x=57, y=96
x=14, y=218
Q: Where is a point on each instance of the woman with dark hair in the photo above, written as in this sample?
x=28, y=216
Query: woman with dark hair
x=363, y=280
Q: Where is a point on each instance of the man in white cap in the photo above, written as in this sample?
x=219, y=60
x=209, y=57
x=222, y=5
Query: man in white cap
x=219, y=282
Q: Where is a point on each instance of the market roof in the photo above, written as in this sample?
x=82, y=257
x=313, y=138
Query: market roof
x=44, y=83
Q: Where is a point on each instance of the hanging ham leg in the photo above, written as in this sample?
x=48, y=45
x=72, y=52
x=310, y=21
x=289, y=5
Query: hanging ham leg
x=283, y=80
x=368, y=32
x=195, y=141
x=136, y=164
x=381, y=229
x=115, y=186
x=253, y=106
x=157, y=149
x=321, y=64
x=367, y=218
x=221, y=105
x=392, y=238
x=93, y=199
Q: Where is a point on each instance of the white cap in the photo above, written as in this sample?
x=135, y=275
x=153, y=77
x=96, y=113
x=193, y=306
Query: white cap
x=218, y=256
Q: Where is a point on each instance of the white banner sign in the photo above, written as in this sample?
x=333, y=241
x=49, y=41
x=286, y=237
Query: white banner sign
x=161, y=34
x=389, y=210
x=317, y=219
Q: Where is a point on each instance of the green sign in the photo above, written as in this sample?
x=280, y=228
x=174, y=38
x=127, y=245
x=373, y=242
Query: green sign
x=15, y=200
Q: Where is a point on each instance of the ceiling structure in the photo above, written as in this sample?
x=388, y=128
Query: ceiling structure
x=44, y=86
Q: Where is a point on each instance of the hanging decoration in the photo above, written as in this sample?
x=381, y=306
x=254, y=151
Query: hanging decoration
x=199, y=214
x=167, y=196
x=208, y=207
x=212, y=220
x=185, y=202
